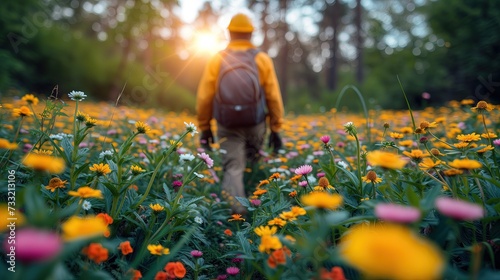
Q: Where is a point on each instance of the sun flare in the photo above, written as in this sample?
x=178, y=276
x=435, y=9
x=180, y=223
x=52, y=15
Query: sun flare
x=207, y=43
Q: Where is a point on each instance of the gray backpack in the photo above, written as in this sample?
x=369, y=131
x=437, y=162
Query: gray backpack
x=239, y=98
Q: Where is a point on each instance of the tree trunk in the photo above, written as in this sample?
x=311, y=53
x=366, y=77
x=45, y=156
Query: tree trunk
x=283, y=53
x=332, y=79
x=359, y=42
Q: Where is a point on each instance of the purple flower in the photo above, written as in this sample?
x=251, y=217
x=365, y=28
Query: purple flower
x=255, y=202
x=325, y=139
x=459, y=209
x=397, y=213
x=196, y=254
x=340, y=144
x=176, y=185
x=33, y=245
x=237, y=260
x=496, y=142
x=232, y=270
x=207, y=159
x=304, y=170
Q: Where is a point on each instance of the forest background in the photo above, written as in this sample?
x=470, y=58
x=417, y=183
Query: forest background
x=149, y=54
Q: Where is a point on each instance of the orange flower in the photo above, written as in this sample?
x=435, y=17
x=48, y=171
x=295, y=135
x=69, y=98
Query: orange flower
x=106, y=218
x=278, y=257
x=228, y=232
x=236, y=217
x=136, y=274
x=126, y=248
x=335, y=274
x=161, y=275
x=259, y=192
x=96, y=252
x=175, y=269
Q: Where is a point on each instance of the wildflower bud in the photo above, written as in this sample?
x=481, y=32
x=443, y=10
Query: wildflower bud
x=325, y=139
x=435, y=152
x=424, y=125
x=419, y=131
x=323, y=182
x=371, y=176
x=482, y=105
x=423, y=139
x=386, y=125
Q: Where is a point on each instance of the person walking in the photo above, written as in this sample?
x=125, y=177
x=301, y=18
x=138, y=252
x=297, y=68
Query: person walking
x=227, y=93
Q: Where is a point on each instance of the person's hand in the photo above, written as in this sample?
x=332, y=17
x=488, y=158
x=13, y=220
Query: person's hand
x=206, y=139
x=275, y=141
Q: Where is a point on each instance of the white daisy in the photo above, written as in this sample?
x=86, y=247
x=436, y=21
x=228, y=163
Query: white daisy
x=86, y=205
x=77, y=95
x=191, y=128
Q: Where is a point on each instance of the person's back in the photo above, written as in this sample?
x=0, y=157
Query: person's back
x=239, y=143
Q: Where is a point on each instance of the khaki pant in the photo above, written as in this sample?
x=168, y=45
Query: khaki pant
x=238, y=147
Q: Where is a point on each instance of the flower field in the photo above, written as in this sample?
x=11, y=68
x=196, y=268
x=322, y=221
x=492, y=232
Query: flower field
x=97, y=191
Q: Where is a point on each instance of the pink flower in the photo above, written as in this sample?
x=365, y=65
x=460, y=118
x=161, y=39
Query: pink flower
x=459, y=209
x=320, y=174
x=304, y=170
x=207, y=159
x=232, y=270
x=397, y=213
x=222, y=277
x=325, y=139
x=196, y=253
x=255, y=202
x=303, y=184
x=496, y=142
x=33, y=245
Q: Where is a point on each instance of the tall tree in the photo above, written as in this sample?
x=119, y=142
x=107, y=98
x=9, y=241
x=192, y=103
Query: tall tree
x=359, y=42
x=470, y=29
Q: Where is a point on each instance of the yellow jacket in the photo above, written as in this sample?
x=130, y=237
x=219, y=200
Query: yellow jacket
x=268, y=81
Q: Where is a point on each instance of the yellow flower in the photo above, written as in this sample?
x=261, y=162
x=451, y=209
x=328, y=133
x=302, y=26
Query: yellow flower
x=156, y=207
x=385, y=160
x=22, y=112
x=158, y=250
x=265, y=230
x=425, y=125
x=100, y=169
x=415, y=155
x=55, y=183
x=388, y=251
x=483, y=106
x=39, y=162
x=452, y=172
x=485, y=149
x=469, y=137
x=465, y=164
x=489, y=135
x=277, y=222
x=467, y=102
x=259, y=192
x=5, y=144
x=83, y=227
x=406, y=143
x=262, y=183
x=136, y=170
x=322, y=200
x=371, y=177
x=30, y=99
x=236, y=217
x=142, y=127
x=86, y=192
x=6, y=213
x=396, y=135
x=461, y=145
x=298, y=211
x=268, y=243
x=90, y=122
x=428, y=163
x=288, y=216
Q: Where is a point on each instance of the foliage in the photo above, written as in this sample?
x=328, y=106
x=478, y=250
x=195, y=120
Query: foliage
x=137, y=175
